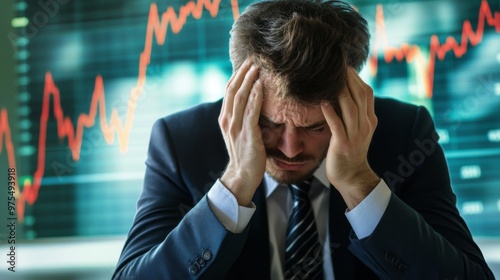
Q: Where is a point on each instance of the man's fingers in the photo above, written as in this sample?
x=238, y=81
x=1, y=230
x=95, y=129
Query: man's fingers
x=358, y=93
x=334, y=122
x=230, y=80
x=349, y=110
x=241, y=97
x=365, y=100
x=232, y=87
x=254, y=105
x=370, y=104
x=226, y=97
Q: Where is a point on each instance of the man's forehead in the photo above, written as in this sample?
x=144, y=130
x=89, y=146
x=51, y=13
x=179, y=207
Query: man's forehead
x=281, y=110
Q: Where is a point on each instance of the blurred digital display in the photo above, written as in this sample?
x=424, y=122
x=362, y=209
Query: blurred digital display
x=93, y=76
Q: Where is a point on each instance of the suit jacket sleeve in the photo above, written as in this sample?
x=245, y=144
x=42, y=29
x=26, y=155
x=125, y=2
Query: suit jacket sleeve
x=165, y=242
x=421, y=234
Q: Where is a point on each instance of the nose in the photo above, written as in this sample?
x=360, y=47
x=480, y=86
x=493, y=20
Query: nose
x=290, y=142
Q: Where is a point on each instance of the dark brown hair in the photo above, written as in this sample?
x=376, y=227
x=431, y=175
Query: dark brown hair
x=304, y=45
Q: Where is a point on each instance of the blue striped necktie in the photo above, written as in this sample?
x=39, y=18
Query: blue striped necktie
x=303, y=252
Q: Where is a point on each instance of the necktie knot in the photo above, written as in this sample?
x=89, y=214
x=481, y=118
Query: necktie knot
x=301, y=191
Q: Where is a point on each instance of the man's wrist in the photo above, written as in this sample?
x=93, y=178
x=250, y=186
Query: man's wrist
x=365, y=217
x=357, y=190
x=235, y=218
x=243, y=193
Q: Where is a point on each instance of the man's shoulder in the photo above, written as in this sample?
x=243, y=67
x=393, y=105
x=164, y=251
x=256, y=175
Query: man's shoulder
x=385, y=104
x=193, y=127
x=399, y=123
x=393, y=112
x=196, y=119
x=207, y=110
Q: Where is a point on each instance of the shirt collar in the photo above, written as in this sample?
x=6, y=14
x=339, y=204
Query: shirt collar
x=320, y=174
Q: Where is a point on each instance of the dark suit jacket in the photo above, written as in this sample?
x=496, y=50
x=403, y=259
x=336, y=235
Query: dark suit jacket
x=175, y=235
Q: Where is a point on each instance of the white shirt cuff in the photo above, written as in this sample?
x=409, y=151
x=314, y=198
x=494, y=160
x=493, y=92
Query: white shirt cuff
x=365, y=217
x=234, y=217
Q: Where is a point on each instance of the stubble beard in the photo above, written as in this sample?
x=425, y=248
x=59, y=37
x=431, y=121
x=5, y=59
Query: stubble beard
x=292, y=177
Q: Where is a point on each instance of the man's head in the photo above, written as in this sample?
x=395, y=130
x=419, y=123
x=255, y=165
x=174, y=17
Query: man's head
x=303, y=49
x=304, y=46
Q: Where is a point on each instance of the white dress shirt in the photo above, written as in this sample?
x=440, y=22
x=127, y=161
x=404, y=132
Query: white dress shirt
x=363, y=218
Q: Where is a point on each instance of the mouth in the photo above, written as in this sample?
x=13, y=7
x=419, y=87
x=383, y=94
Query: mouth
x=288, y=166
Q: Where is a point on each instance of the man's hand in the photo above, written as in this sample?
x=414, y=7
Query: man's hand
x=238, y=120
x=347, y=166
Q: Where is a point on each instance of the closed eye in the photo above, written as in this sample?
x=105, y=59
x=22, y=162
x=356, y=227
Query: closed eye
x=266, y=123
x=316, y=129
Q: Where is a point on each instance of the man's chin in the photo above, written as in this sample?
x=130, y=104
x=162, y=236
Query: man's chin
x=288, y=177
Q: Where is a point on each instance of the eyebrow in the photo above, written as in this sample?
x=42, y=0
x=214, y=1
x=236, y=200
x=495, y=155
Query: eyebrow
x=311, y=126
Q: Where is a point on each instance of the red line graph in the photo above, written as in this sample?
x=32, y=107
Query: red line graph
x=5, y=130
x=413, y=53
x=157, y=28
x=65, y=128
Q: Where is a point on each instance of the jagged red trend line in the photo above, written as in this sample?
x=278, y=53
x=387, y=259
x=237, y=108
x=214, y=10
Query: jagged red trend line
x=158, y=28
x=5, y=129
x=437, y=50
x=65, y=128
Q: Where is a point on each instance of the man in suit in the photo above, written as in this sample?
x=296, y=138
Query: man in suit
x=299, y=172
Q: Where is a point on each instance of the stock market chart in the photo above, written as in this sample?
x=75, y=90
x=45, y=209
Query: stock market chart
x=93, y=76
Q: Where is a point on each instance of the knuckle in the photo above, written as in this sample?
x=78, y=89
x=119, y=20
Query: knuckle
x=374, y=120
x=233, y=129
x=229, y=83
x=250, y=110
x=336, y=126
x=231, y=88
x=253, y=94
x=239, y=99
x=366, y=130
x=222, y=122
x=352, y=110
x=368, y=89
